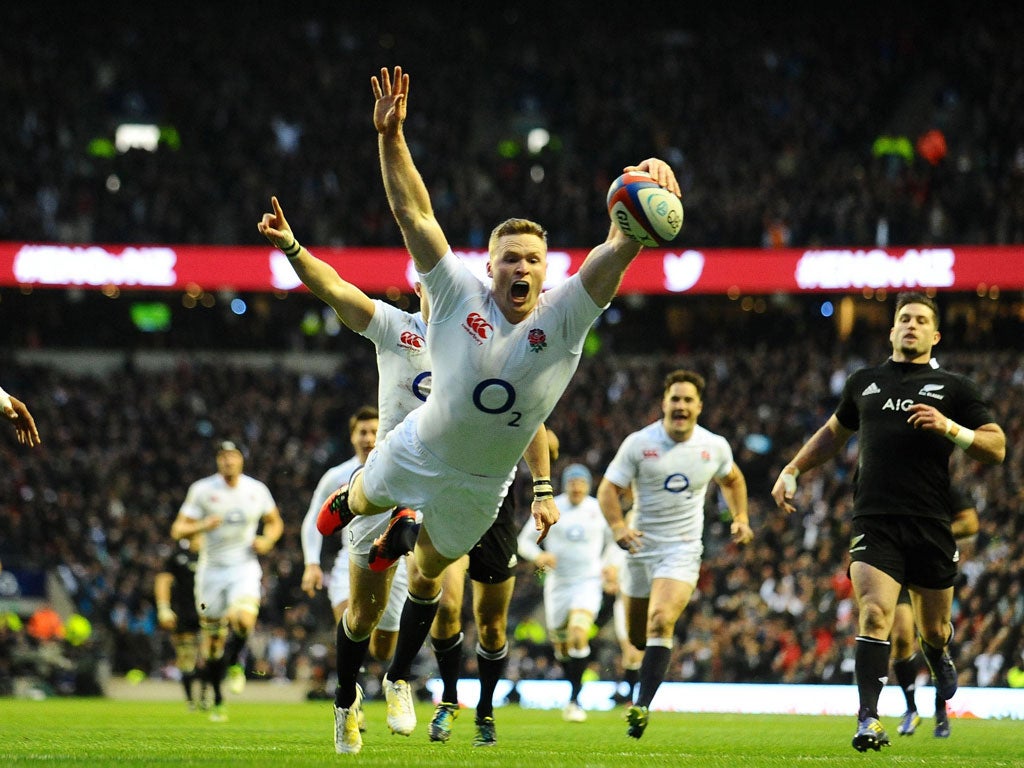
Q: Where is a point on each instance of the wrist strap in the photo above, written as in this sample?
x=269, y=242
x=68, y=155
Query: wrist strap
x=292, y=251
x=964, y=437
x=542, y=489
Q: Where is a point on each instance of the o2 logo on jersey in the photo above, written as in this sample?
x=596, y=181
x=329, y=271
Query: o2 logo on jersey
x=576, y=533
x=234, y=517
x=496, y=396
x=421, y=385
x=677, y=483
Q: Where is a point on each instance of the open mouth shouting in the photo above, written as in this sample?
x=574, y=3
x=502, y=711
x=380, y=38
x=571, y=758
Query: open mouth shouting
x=520, y=290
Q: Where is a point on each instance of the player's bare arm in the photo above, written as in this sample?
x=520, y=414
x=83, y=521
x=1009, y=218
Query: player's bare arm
x=965, y=523
x=406, y=192
x=24, y=425
x=312, y=579
x=538, y=459
x=823, y=445
x=165, y=615
x=609, y=498
x=353, y=307
x=184, y=527
x=273, y=527
x=734, y=489
x=986, y=444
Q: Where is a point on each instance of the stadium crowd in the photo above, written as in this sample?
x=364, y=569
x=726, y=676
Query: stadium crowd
x=774, y=132
x=779, y=134
x=120, y=448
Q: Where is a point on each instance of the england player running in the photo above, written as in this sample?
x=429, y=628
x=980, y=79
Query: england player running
x=666, y=468
x=228, y=509
x=572, y=558
x=372, y=588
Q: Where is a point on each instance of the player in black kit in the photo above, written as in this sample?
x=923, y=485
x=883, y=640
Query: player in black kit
x=174, y=590
x=910, y=414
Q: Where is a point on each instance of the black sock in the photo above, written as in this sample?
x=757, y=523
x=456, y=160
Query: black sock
x=652, y=672
x=631, y=678
x=932, y=654
x=490, y=667
x=448, y=652
x=214, y=674
x=906, y=676
x=233, y=647
x=871, y=667
x=574, y=669
x=349, y=658
x=413, y=628
x=187, y=679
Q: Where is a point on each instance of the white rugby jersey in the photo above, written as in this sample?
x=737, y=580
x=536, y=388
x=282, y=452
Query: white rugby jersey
x=332, y=480
x=403, y=363
x=241, y=508
x=495, y=383
x=669, y=479
x=578, y=540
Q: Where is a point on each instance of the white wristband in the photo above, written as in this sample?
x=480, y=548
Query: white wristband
x=5, y=402
x=964, y=438
x=789, y=480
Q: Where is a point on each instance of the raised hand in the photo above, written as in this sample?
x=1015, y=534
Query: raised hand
x=391, y=95
x=274, y=226
x=661, y=172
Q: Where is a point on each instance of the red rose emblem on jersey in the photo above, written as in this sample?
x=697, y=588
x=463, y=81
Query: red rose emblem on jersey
x=651, y=453
x=538, y=340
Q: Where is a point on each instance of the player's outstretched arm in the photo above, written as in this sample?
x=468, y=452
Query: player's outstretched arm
x=823, y=445
x=24, y=425
x=605, y=266
x=734, y=489
x=352, y=306
x=407, y=194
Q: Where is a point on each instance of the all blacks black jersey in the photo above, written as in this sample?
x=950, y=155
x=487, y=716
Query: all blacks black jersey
x=902, y=470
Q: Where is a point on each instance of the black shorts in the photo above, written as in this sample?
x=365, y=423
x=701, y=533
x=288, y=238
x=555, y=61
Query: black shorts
x=916, y=551
x=493, y=559
x=188, y=619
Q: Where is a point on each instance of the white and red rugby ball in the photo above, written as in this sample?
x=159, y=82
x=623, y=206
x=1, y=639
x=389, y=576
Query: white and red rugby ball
x=644, y=210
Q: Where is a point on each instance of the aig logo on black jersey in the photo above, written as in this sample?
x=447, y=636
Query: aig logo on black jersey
x=897, y=405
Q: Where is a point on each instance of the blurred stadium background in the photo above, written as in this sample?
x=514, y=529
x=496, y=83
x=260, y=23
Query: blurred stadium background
x=876, y=130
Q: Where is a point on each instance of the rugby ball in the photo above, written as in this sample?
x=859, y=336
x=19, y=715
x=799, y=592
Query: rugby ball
x=644, y=210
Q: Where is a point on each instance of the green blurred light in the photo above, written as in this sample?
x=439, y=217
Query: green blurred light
x=170, y=137
x=508, y=148
x=101, y=147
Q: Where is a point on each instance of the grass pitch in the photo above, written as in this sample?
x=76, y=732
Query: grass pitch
x=101, y=732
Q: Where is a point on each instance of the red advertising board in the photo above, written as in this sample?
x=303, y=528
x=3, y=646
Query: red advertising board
x=655, y=271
